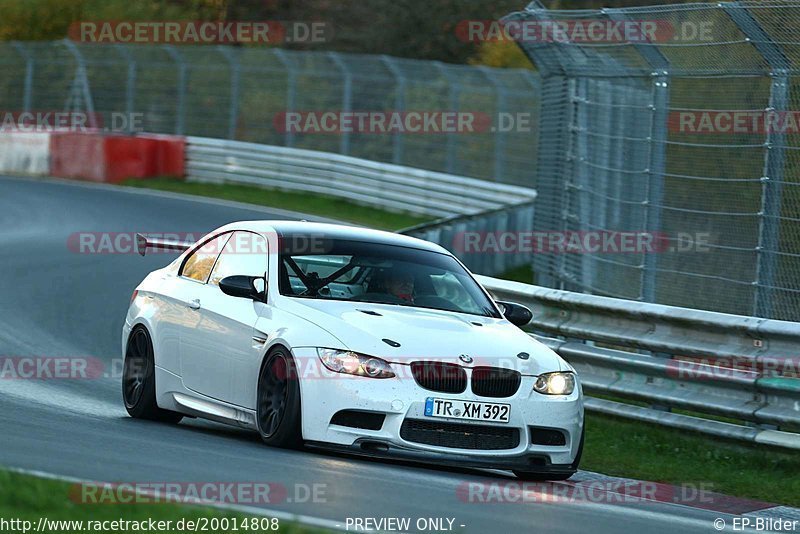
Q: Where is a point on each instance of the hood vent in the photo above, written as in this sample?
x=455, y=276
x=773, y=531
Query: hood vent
x=370, y=312
x=391, y=343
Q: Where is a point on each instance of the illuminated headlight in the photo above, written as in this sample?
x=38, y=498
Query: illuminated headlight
x=555, y=383
x=352, y=363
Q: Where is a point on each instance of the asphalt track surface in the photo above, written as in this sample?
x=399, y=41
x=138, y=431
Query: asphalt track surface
x=57, y=302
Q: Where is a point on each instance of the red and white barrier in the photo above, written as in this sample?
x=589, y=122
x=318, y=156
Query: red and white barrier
x=114, y=158
x=91, y=156
x=25, y=153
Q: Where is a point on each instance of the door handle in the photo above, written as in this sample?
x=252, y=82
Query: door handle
x=194, y=304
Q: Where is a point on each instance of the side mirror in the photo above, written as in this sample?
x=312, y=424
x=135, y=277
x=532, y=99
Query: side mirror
x=517, y=314
x=241, y=286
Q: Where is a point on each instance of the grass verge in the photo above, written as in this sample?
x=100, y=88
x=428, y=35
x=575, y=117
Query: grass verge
x=634, y=449
x=324, y=206
x=28, y=498
x=614, y=446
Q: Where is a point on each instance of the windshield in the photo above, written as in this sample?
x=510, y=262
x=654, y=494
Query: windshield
x=380, y=273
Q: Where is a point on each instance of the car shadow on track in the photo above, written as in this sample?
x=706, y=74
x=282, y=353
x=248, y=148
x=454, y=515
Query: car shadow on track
x=224, y=432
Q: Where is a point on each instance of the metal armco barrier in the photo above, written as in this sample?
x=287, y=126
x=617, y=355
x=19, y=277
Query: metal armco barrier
x=383, y=185
x=661, y=358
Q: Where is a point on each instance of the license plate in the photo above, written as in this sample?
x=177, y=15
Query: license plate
x=472, y=410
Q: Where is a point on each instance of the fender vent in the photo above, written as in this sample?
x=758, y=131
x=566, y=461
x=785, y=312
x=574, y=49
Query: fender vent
x=359, y=419
x=547, y=436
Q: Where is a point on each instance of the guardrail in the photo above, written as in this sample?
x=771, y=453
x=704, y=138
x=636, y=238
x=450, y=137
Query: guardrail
x=387, y=186
x=725, y=375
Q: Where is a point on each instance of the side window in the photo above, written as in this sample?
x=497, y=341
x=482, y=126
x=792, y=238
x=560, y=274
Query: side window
x=244, y=254
x=199, y=264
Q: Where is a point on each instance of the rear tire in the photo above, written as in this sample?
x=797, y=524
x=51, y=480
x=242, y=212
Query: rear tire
x=139, y=380
x=278, y=413
x=543, y=477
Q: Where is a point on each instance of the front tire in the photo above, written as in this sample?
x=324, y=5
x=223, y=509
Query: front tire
x=278, y=413
x=139, y=380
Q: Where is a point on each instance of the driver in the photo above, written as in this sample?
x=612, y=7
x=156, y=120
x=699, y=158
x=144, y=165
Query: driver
x=400, y=283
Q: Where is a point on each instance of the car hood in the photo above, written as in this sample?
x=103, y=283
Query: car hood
x=424, y=334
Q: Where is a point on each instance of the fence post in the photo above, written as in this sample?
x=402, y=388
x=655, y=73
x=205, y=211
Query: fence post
x=455, y=91
x=583, y=177
x=130, y=84
x=399, y=105
x=180, y=112
x=347, y=97
x=231, y=54
x=555, y=111
x=774, y=158
x=658, y=143
x=291, y=89
x=80, y=85
x=499, y=134
x=29, y=65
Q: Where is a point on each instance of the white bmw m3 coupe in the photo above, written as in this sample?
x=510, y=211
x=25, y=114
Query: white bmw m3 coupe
x=349, y=339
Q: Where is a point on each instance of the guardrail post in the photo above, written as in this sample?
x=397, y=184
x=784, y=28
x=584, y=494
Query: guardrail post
x=130, y=85
x=291, y=91
x=347, y=97
x=455, y=92
x=499, y=135
x=231, y=54
x=180, y=104
x=29, y=66
x=80, y=85
x=658, y=142
x=399, y=105
x=774, y=160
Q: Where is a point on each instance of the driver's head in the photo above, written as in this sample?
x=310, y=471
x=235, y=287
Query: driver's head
x=400, y=283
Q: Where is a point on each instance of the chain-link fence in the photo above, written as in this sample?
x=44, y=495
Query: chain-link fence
x=680, y=121
x=243, y=93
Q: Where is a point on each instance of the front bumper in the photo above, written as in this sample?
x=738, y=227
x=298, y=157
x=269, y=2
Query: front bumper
x=529, y=462
x=401, y=398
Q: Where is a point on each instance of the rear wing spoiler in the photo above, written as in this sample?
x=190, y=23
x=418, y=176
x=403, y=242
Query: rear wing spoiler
x=143, y=243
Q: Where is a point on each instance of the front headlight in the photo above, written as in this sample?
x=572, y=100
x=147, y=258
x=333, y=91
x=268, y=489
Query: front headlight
x=555, y=384
x=352, y=363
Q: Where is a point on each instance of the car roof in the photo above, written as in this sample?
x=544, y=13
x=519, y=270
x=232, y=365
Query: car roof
x=334, y=231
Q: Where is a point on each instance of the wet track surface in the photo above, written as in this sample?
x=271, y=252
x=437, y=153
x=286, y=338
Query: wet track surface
x=58, y=302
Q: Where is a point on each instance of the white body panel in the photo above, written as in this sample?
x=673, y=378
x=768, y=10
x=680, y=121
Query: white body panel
x=208, y=359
